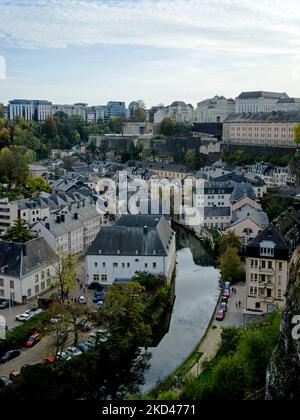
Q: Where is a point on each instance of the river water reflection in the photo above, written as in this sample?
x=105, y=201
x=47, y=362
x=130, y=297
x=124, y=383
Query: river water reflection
x=197, y=291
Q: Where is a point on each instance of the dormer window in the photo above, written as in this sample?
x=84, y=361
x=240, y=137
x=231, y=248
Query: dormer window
x=267, y=249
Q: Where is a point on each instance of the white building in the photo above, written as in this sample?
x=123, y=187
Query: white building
x=288, y=104
x=76, y=110
x=214, y=110
x=136, y=243
x=179, y=111
x=26, y=270
x=258, y=101
x=8, y=214
x=30, y=110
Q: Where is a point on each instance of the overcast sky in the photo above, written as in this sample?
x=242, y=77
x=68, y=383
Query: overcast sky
x=157, y=50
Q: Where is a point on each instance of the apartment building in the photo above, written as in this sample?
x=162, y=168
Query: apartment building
x=179, y=111
x=8, y=215
x=26, y=270
x=274, y=129
x=268, y=260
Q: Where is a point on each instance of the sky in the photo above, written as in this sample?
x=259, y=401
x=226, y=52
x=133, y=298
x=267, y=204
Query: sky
x=94, y=51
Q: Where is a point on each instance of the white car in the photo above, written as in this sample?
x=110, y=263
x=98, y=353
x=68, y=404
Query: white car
x=82, y=300
x=73, y=351
x=55, y=319
x=62, y=355
x=24, y=317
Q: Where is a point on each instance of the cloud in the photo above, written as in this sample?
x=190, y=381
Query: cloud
x=252, y=26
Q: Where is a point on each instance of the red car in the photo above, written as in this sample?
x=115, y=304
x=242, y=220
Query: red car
x=226, y=293
x=14, y=375
x=220, y=315
x=33, y=340
x=49, y=359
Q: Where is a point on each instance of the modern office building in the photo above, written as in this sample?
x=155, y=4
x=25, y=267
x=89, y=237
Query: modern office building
x=30, y=110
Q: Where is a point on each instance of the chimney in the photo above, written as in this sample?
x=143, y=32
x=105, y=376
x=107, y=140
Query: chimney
x=145, y=230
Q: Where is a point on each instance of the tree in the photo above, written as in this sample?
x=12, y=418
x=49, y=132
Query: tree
x=50, y=128
x=1, y=110
x=4, y=137
x=116, y=124
x=227, y=241
x=13, y=165
x=19, y=232
x=231, y=266
x=294, y=165
x=139, y=115
x=65, y=275
x=167, y=127
x=68, y=162
x=191, y=159
x=36, y=185
x=297, y=134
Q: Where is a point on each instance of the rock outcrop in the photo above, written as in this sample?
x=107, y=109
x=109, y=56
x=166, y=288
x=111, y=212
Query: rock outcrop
x=283, y=374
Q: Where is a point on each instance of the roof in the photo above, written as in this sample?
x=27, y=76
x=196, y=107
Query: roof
x=133, y=240
x=271, y=233
x=267, y=117
x=19, y=260
x=261, y=94
x=258, y=216
x=217, y=212
x=141, y=220
x=243, y=190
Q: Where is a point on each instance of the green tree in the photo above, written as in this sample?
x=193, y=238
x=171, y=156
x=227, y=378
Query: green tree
x=139, y=115
x=229, y=240
x=231, y=266
x=167, y=127
x=1, y=110
x=116, y=124
x=36, y=185
x=65, y=275
x=190, y=159
x=19, y=232
x=13, y=165
x=4, y=137
x=50, y=128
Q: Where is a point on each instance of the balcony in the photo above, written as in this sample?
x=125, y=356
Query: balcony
x=267, y=270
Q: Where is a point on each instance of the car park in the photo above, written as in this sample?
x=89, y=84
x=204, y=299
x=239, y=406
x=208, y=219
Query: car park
x=4, y=382
x=33, y=340
x=10, y=355
x=73, y=351
x=220, y=315
x=30, y=313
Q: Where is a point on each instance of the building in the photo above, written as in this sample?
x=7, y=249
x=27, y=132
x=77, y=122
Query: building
x=179, y=111
x=30, y=110
x=37, y=171
x=269, y=258
x=115, y=109
x=26, y=270
x=214, y=110
x=258, y=101
x=288, y=104
x=136, y=243
x=71, y=230
x=273, y=129
x=8, y=215
x=76, y=110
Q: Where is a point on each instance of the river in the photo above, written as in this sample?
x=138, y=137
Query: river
x=197, y=292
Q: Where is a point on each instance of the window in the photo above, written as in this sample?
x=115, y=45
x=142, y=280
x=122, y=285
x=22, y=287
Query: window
x=96, y=264
x=43, y=286
x=279, y=279
x=48, y=282
x=96, y=277
x=36, y=278
x=270, y=265
x=280, y=266
x=29, y=293
x=104, y=277
x=37, y=289
x=115, y=265
x=12, y=284
x=279, y=294
x=146, y=265
x=128, y=265
x=123, y=265
x=43, y=275
x=1, y=282
x=154, y=265
x=1, y=292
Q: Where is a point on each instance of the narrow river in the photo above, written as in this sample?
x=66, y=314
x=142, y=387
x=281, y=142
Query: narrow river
x=197, y=291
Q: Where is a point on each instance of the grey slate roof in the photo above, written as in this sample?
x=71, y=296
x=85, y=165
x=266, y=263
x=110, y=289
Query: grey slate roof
x=17, y=263
x=258, y=216
x=271, y=233
x=133, y=240
x=131, y=220
x=261, y=94
x=217, y=212
x=243, y=190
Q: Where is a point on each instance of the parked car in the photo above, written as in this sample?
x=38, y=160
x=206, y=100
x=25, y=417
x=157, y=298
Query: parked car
x=73, y=351
x=223, y=306
x=33, y=340
x=24, y=367
x=5, y=303
x=56, y=319
x=4, y=382
x=98, y=296
x=85, y=346
x=60, y=338
x=82, y=300
x=10, y=355
x=85, y=325
x=49, y=359
x=100, y=336
x=227, y=285
x=224, y=299
x=226, y=293
x=24, y=317
x=100, y=303
x=96, y=286
x=220, y=315
x=14, y=375
x=62, y=355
